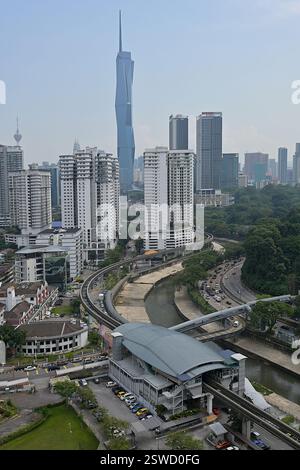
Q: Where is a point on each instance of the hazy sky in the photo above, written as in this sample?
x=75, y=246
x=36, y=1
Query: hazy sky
x=240, y=57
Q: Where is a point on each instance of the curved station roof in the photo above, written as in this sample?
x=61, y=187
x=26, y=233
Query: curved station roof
x=168, y=351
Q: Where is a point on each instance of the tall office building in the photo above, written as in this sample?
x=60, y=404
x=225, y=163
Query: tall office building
x=90, y=198
x=11, y=159
x=296, y=165
x=209, y=151
x=256, y=166
x=282, y=165
x=53, y=169
x=30, y=200
x=230, y=171
x=168, y=198
x=126, y=144
x=272, y=168
x=178, y=132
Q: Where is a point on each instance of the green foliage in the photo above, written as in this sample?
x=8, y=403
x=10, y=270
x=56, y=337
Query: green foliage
x=199, y=300
x=7, y=409
x=264, y=315
x=113, y=256
x=75, y=304
x=261, y=388
x=59, y=428
x=184, y=414
x=12, y=337
x=118, y=443
x=181, y=440
x=65, y=389
x=109, y=423
x=289, y=419
x=95, y=339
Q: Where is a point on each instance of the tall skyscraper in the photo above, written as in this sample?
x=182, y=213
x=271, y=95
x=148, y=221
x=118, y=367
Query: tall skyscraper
x=282, y=165
x=30, y=200
x=90, y=198
x=230, y=171
x=178, y=132
x=126, y=144
x=209, y=151
x=256, y=166
x=53, y=169
x=169, y=198
x=11, y=159
x=296, y=165
x=272, y=168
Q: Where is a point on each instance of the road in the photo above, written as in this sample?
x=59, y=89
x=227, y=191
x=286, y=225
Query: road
x=231, y=281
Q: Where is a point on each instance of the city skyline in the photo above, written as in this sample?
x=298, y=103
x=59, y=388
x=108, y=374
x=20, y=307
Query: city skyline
x=248, y=100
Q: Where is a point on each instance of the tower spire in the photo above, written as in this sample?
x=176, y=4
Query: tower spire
x=18, y=136
x=120, y=31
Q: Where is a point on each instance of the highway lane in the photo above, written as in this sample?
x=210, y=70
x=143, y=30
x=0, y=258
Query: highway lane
x=231, y=280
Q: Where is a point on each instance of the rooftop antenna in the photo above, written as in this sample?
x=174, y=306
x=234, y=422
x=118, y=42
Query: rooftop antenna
x=18, y=136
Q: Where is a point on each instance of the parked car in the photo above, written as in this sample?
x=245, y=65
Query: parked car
x=53, y=367
x=96, y=380
x=147, y=416
x=223, y=444
x=141, y=411
x=19, y=368
x=137, y=407
x=232, y=448
x=125, y=395
x=29, y=368
x=83, y=382
x=110, y=384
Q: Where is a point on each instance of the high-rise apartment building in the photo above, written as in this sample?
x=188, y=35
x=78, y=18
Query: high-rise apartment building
x=90, y=198
x=53, y=169
x=11, y=159
x=256, y=166
x=209, y=151
x=30, y=200
x=178, y=132
x=282, y=165
x=296, y=165
x=168, y=197
x=126, y=144
x=230, y=171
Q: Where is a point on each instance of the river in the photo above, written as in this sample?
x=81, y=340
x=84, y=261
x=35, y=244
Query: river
x=161, y=311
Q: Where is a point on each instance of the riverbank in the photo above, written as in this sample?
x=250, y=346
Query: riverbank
x=258, y=349
x=190, y=311
x=130, y=301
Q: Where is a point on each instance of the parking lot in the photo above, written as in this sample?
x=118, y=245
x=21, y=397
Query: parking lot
x=113, y=404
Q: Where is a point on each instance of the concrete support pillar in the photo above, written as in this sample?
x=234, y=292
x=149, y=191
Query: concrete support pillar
x=210, y=403
x=246, y=427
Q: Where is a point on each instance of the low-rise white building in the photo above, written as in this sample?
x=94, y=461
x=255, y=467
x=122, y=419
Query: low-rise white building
x=54, y=337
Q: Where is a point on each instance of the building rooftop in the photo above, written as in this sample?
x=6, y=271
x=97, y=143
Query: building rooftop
x=173, y=353
x=40, y=249
x=16, y=313
x=60, y=230
x=49, y=329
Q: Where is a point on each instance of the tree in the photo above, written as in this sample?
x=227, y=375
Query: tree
x=181, y=440
x=75, y=304
x=12, y=338
x=66, y=389
x=264, y=315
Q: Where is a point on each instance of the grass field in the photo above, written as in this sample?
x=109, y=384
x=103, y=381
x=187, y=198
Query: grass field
x=63, y=310
x=62, y=430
